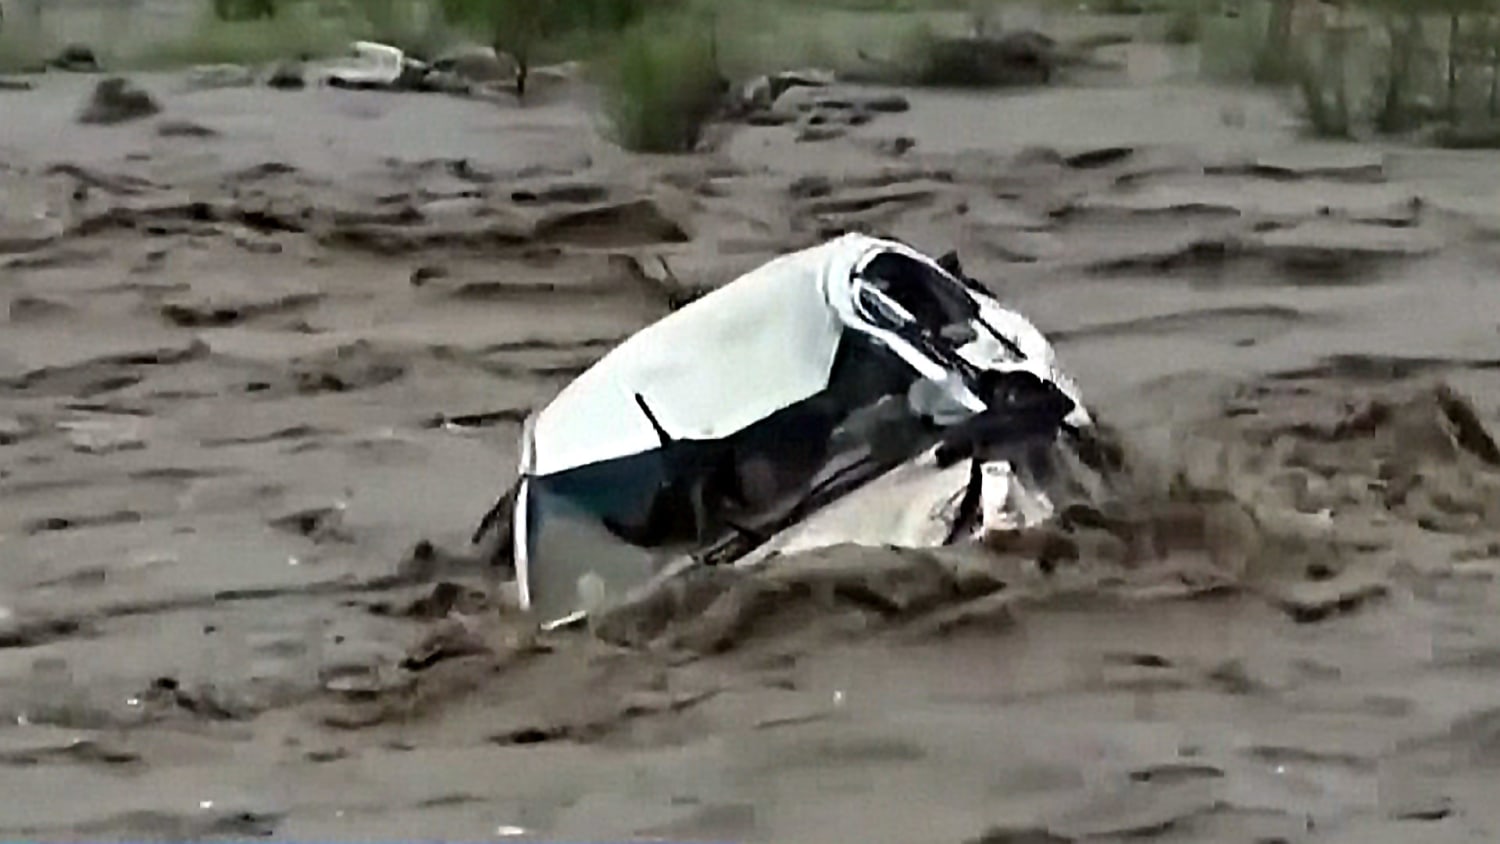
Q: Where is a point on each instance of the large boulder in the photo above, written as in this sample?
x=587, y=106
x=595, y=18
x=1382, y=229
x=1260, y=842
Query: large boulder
x=77, y=58
x=476, y=64
x=761, y=92
x=117, y=100
x=1019, y=57
x=287, y=76
x=801, y=100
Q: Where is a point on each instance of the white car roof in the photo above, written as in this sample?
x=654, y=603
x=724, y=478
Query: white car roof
x=716, y=366
x=739, y=354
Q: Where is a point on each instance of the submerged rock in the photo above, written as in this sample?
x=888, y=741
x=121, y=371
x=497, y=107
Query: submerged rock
x=762, y=92
x=894, y=146
x=443, y=82
x=834, y=104
x=287, y=76
x=13, y=430
x=184, y=129
x=105, y=434
x=117, y=100
x=77, y=58
x=819, y=132
x=1339, y=246
x=208, y=77
x=1357, y=166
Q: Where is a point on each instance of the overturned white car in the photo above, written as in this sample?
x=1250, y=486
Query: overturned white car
x=370, y=64
x=858, y=391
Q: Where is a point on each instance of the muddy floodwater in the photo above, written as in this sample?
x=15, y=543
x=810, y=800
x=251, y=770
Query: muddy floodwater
x=263, y=363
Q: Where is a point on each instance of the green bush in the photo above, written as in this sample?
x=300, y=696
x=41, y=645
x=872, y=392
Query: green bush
x=661, y=86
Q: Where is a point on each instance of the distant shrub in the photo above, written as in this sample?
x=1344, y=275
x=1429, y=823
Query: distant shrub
x=661, y=85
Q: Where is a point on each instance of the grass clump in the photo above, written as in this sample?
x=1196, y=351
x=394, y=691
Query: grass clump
x=661, y=85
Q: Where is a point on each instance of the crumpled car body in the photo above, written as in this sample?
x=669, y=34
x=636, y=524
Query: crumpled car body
x=368, y=64
x=856, y=391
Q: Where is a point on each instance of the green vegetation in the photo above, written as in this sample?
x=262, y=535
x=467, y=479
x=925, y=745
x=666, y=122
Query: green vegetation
x=1395, y=66
x=1357, y=68
x=1360, y=67
x=661, y=85
x=257, y=41
x=1368, y=66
